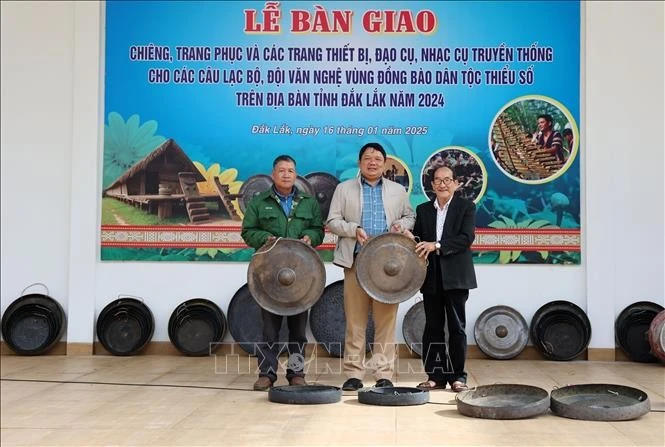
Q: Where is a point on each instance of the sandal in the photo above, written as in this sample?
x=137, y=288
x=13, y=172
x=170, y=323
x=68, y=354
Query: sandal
x=458, y=386
x=431, y=385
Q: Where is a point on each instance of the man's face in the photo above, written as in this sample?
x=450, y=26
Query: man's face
x=371, y=164
x=543, y=124
x=443, y=184
x=284, y=175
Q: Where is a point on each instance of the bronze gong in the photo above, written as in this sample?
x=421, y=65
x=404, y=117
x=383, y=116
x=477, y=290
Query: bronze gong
x=286, y=277
x=389, y=269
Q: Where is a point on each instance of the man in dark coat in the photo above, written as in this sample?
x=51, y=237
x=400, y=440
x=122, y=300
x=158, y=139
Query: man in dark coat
x=444, y=230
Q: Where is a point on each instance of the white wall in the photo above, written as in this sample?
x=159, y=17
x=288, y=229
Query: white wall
x=51, y=165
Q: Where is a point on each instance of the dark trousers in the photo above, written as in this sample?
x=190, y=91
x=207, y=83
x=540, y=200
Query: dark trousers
x=445, y=313
x=269, y=350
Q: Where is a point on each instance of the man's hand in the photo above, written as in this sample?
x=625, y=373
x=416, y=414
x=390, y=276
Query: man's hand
x=425, y=248
x=361, y=236
x=306, y=240
x=270, y=240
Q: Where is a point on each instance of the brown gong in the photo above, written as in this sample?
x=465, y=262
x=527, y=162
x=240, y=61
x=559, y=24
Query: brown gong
x=389, y=269
x=324, y=185
x=286, y=277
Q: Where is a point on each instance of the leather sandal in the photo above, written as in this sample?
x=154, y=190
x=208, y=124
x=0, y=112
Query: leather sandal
x=431, y=385
x=458, y=386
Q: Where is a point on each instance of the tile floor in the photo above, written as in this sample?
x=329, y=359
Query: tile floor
x=164, y=400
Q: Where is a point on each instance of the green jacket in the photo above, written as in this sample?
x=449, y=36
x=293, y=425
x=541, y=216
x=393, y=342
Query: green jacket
x=264, y=217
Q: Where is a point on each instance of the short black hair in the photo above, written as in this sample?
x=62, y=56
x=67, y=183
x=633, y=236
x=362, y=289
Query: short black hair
x=547, y=116
x=376, y=146
x=567, y=131
x=283, y=158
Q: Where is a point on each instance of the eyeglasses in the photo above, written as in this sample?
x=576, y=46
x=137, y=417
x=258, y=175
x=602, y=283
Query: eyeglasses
x=445, y=181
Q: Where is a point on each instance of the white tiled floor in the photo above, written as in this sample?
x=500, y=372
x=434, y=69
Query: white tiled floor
x=173, y=400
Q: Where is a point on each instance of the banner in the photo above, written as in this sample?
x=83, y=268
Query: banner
x=200, y=97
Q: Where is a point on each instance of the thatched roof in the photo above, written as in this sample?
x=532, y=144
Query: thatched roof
x=173, y=150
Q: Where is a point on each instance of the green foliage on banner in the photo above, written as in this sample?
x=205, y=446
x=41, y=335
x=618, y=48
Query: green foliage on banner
x=126, y=143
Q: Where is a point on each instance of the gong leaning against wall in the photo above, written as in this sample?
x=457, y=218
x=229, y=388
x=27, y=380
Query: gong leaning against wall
x=501, y=332
x=33, y=323
x=197, y=327
x=328, y=322
x=246, y=322
x=125, y=326
x=631, y=330
x=560, y=330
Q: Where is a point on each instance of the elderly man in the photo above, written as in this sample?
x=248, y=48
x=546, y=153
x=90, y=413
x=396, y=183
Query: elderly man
x=363, y=207
x=445, y=230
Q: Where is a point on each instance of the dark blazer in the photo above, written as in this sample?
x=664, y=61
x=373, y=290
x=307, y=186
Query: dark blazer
x=455, y=254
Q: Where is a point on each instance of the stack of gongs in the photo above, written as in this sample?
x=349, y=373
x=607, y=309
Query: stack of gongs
x=632, y=330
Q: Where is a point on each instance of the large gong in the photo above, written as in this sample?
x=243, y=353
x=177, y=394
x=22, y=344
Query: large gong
x=324, y=185
x=501, y=332
x=389, y=269
x=286, y=277
x=256, y=184
x=246, y=323
x=413, y=326
x=328, y=321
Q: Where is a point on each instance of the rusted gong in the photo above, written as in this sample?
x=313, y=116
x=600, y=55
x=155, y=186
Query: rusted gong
x=657, y=336
x=324, y=185
x=256, y=184
x=286, y=277
x=503, y=401
x=389, y=269
x=599, y=402
x=501, y=332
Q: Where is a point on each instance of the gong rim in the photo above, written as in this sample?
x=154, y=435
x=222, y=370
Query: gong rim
x=501, y=332
x=286, y=278
x=388, y=268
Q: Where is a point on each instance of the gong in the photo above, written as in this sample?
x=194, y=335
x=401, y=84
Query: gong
x=389, y=269
x=501, y=332
x=413, y=327
x=287, y=277
x=256, y=184
x=246, y=323
x=324, y=185
x=328, y=321
x=125, y=326
x=33, y=323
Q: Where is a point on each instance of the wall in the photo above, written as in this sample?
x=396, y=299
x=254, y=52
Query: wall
x=52, y=60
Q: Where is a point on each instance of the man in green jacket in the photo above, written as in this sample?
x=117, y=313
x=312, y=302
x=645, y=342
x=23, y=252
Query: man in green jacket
x=282, y=211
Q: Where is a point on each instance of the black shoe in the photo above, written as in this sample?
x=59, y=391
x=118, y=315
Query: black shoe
x=352, y=384
x=383, y=383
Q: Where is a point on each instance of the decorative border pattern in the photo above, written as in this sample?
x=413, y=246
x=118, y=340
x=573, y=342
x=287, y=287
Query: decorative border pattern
x=229, y=237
